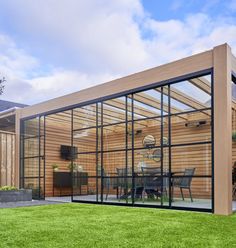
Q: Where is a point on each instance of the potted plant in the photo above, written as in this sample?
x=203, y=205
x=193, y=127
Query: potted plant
x=72, y=166
x=55, y=167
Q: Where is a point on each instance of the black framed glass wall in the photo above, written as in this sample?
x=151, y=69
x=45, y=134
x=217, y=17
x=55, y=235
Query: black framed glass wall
x=151, y=147
x=233, y=85
x=192, y=143
x=32, y=169
x=154, y=147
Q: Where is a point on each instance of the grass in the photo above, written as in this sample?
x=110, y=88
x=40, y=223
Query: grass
x=83, y=225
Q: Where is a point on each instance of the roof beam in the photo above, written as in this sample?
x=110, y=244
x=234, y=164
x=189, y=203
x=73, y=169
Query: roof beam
x=153, y=102
x=183, y=98
x=137, y=109
x=202, y=83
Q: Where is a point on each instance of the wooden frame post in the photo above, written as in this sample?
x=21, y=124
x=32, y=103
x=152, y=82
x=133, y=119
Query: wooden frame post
x=222, y=130
x=17, y=148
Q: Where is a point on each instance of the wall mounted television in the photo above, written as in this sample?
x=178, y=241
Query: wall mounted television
x=69, y=152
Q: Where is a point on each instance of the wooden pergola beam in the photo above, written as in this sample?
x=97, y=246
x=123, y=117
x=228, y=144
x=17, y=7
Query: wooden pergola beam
x=184, y=99
x=155, y=103
x=137, y=109
x=202, y=83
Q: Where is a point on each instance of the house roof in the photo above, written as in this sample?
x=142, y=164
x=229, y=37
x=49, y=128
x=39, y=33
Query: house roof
x=4, y=105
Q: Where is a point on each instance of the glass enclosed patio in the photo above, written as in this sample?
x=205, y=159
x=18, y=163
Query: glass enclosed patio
x=161, y=138
x=148, y=147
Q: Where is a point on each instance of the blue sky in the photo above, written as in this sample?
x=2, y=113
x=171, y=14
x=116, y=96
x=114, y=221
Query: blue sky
x=179, y=9
x=52, y=48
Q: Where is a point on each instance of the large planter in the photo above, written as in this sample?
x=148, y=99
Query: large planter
x=16, y=195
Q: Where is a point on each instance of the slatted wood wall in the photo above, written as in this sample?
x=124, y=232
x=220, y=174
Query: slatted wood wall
x=7, y=158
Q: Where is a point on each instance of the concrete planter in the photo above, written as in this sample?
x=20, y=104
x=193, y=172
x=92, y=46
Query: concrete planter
x=16, y=195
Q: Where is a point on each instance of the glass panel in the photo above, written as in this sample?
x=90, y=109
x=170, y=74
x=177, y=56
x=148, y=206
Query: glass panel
x=117, y=180
x=84, y=187
x=147, y=104
x=32, y=152
x=58, y=154
x=31, y=167
x=33, y=183
x=113, y=161
x=151, y=176
x=196, y=157
x=31, y=127
x=233, y=85
x=147, y=158
x=233, y=144
x=42, y=126
x=198, y=188
x=114, y=137
x=191, y=94
x=85, y=182
x=114, y=111
x=147, y=133
x=191, y=128
x=42, y=189
x=31, y=147
x=85, y=140
x=84, y=117
x=112, y=186
x=86, y=163
x=129, y=123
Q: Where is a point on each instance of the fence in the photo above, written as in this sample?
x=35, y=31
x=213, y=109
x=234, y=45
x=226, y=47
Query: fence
x=7, y=158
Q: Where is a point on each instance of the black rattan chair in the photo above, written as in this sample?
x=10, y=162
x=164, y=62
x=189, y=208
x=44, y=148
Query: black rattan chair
x=124, y=181
x=106, y=183
x=234, y=182
x=152, y=181
x=183, y=182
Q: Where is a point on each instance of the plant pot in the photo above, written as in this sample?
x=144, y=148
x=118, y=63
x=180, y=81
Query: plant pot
x=16, y=195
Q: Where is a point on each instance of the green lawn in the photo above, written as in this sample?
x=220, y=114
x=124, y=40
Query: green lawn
x=82, y=225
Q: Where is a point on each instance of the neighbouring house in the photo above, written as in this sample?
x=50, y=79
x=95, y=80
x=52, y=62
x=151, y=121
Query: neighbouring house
x=158, y=138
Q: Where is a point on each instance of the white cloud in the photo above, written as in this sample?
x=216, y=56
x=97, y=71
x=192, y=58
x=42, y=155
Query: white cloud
x=13, y=59
x=88, y=34
x=64, y=82
x=69, y=45
x=174, y=39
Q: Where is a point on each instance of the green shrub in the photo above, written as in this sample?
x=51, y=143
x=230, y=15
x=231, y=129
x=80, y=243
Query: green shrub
x=7, y=188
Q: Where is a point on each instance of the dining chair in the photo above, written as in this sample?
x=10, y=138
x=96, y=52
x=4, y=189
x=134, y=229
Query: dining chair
x=183, y=182
x=152, y=181
x=124, y=181
x=106, y=183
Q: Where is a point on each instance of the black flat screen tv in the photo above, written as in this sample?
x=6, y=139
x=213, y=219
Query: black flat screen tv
x=69, y=152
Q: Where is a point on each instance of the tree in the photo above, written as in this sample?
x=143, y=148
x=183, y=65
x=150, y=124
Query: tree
x=2, y=81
